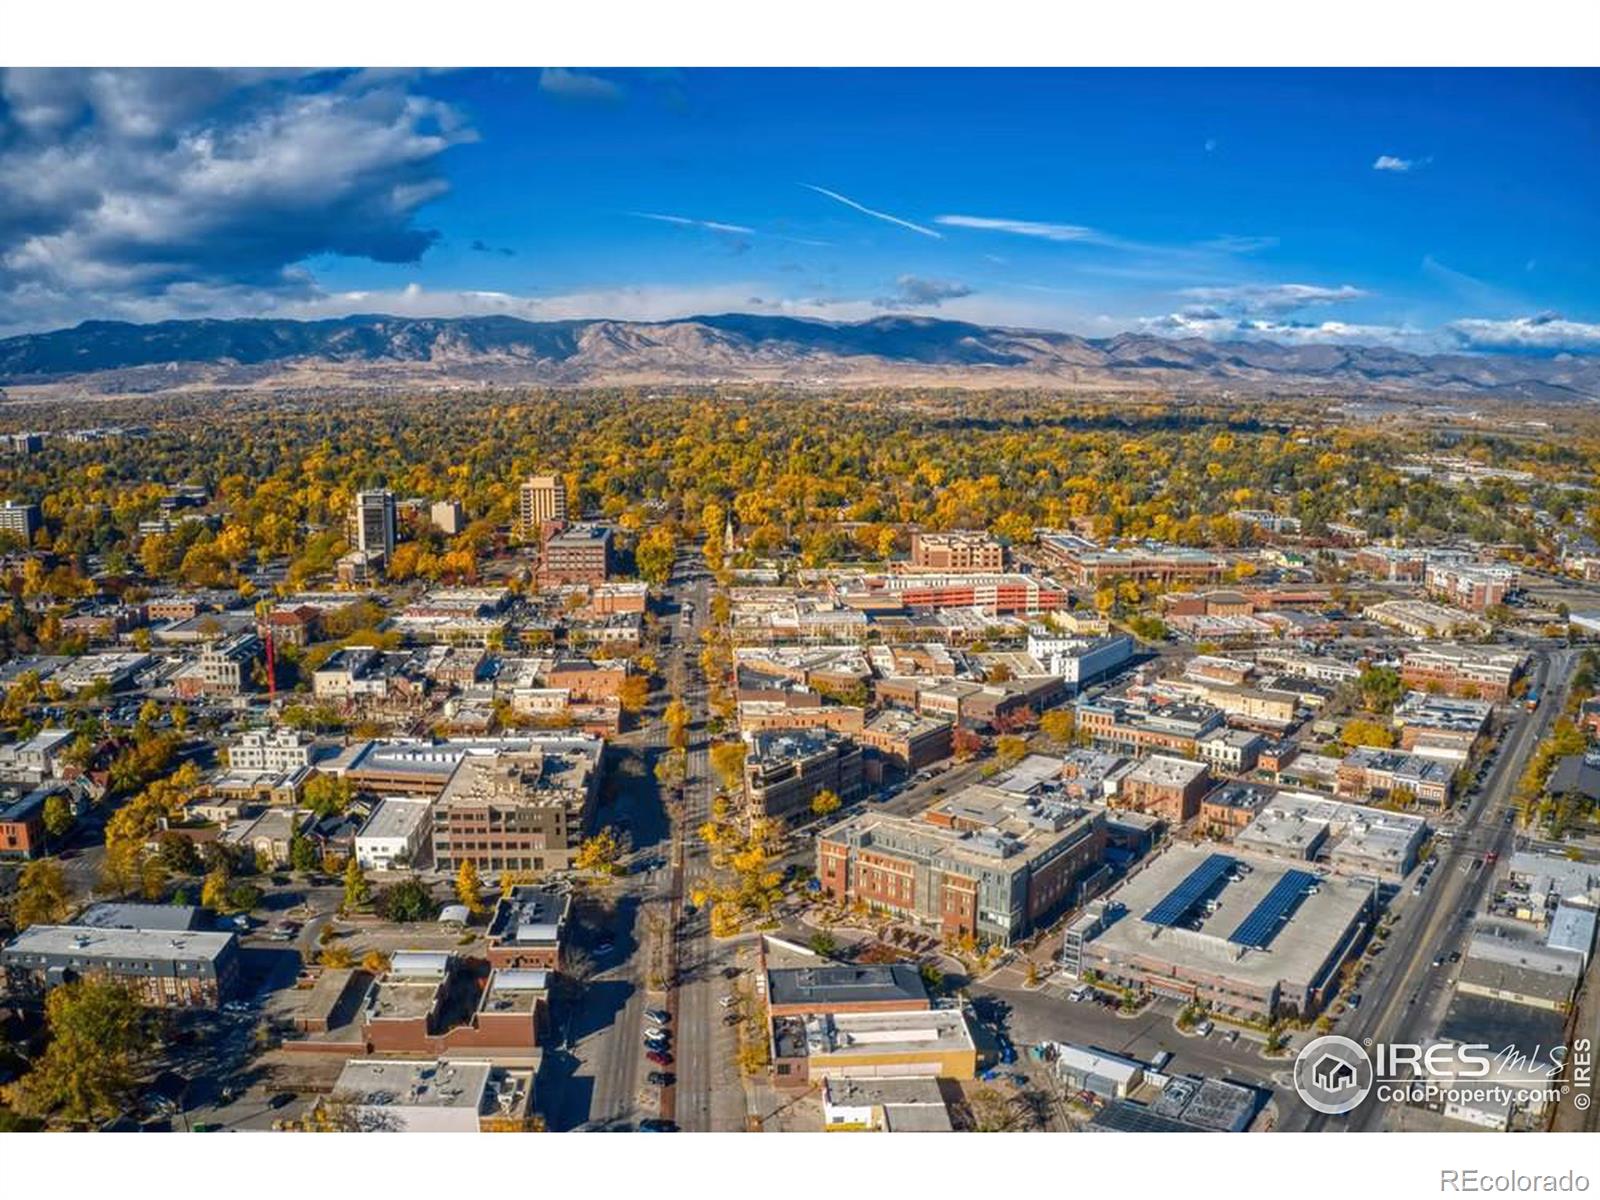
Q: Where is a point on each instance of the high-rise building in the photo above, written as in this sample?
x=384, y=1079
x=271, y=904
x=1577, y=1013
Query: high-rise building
x=372, y=523
x=544, y=500
x=447, y=517
x=20, y=519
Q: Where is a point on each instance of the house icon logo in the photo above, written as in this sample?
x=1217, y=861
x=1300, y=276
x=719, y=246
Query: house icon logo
x=1333, y=1074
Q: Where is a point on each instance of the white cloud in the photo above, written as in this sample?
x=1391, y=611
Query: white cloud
x=130, y=192
x=1272, y=297
x=1388, y=162
x=1049, y=231
x=1545, y=331
x=913, y=291
x=872, y=212
x=567, y=84
x=1219, y=327
x=714, y=226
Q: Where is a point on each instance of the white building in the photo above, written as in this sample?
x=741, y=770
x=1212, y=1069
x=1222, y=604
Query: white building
x=392, y=834
x=1078, y=660
x=277, y=750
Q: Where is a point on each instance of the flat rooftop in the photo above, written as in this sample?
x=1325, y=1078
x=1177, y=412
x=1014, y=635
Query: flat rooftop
x=887, y=1033
x=1297, y=951
x=530, y=916
x=845, y=984
x=414, y=1084
x=136, y=946
x=395, y=818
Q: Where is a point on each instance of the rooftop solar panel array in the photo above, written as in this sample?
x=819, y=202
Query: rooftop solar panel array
x=1181, y=899
x=1267, y=917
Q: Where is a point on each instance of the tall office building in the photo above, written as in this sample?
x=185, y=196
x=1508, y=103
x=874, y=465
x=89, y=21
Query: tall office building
x=20, y=519
x=372, y=523
x=544, y=499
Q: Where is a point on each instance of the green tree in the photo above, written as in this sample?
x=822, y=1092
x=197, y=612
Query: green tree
x=303, y=855
x=100, y=1039
x=43, y=897
x=177, y=853
x=406, y=902
x=1380, y=688
x=58, y=818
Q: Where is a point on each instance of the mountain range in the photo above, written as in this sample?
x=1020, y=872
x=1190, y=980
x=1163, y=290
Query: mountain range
x=112, y=357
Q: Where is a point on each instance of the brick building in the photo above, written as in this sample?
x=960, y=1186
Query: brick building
x=955, y=551
x=986, y=864
x=1167, y=787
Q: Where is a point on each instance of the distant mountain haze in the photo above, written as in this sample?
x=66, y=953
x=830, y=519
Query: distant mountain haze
x=108, y=357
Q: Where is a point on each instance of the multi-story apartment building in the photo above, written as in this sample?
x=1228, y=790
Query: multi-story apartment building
x=19, y=519
x=955, y=551
x=987, y=864
x=1393, y=564
x=1078, y=660
x=224, y=668
x=1473, y=586
x=542, y=500
x=280, y=749
x=372, y=524
x=905, y=740
x=518, y=810
x=1473, y=672
x=446, y=516
x=578, y=554
x=1119, y=723
x=785, y=770
x=165, y=967
x=1167, y=787
x=1369, y=773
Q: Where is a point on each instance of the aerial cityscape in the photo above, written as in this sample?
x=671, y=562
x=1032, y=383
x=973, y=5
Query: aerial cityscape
x=536, y=603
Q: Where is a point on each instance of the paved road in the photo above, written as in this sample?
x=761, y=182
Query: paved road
x=1407, y=993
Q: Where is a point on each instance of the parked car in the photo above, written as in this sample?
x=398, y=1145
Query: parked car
x=660, y=1057
x=281, y=1099
x=657, y=1125
x=1160, y=1061
x=660, y=1078
x=729, y=1000
x=659, y=1015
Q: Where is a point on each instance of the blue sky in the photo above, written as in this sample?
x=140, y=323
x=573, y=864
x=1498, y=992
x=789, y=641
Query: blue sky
x=1425, y=209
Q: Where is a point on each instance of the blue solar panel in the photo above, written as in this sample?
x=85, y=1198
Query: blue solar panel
x=1175, y=907
x=1275, y=907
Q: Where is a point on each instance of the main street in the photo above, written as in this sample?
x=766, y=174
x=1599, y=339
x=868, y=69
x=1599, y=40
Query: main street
x=707, y=1094
x=1408, y=993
